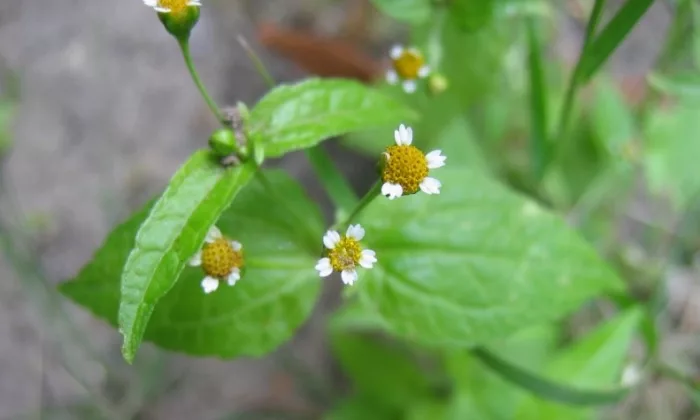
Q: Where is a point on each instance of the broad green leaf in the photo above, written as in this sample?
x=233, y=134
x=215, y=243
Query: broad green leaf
x=383, y=371
x=603, y=45
x=594, y=362
x=477, y=253
x=685, y=86
x=279, y=229
x=672, y=147
x=410, y=11
x=301, y=115
x=173, y=231
x=471, y=15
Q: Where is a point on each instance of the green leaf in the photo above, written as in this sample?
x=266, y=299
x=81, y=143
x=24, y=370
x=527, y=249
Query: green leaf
x=458, y=141
x=471, y=15
x=603, y=45
x=409, y=11
x=382, y=371
x=477, y=253
x=173, y=231
x=301, y=115
x=539, y=142
x=279, y=229
x=357, y=407
x=611, y=120
x=672, y=147
x=595, y=361
x=685, y=86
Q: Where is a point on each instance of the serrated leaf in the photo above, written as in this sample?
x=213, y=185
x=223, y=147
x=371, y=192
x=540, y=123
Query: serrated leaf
x=279, y=229
x=477, y=253
x=173, y=231
x=410, y=11
x=301, y=115
x=595, y=361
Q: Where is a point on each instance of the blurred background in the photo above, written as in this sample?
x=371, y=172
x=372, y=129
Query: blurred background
x=97, y=111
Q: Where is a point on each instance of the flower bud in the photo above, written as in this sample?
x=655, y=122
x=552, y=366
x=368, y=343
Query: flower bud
x=178, y=16
x=223, y=142
x=438, y=83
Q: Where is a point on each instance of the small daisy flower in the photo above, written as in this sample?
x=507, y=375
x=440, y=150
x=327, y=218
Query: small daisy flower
x=408, y=65
x=405, y=169
x=344, y=254
x=221, y=260
x=171, y=6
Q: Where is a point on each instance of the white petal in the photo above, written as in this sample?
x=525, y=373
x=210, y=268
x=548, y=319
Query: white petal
x=368, y=258
x=150, y=3
x=323, y=266
x=409, y=86
x=161, y=9
x=424, y=72
x=236, y=246
x=415, y=51
x=430, y=186
x=396, y=52
x=234, y=276
x=209, y=284
x=331, y=239
x=391, y=77
x=196, y=259
x=194, y=3
x=392, y=191
x=349, y=276
x=213, y=234
x=435, y=159
x=355, y=231
x=404, y=135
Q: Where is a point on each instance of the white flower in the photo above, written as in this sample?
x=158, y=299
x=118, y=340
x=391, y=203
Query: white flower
x=344, y=254
x=220, y=258
x=407, y=66
x=167, y=6
x=406, y=168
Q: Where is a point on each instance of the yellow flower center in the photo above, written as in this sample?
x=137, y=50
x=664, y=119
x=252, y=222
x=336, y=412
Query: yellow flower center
x=346, y=254
x=409, y=64
x=405, y=165
x=219, y=258
x=175, y=6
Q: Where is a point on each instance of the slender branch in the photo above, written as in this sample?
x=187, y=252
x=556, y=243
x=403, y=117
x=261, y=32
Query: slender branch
x=185, y=48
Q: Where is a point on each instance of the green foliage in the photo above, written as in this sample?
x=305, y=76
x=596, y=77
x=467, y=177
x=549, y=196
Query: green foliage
x=382, y=371
x=595, y=361
x=672, y=148
x=410, y=11
x=301, y=115
x=603, y=45
x=173, y=231
x=478, y=253
x=471, y=15
x=275, y=295
x=460, y=317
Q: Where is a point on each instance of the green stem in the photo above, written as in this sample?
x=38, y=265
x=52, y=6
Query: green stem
x=575, y=80
x=257, y=62
x=185, y=48
x=368, y=198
